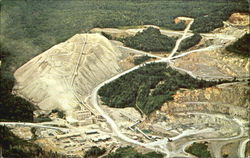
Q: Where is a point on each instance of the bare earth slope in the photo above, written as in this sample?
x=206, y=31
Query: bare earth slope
x=73, y=68
x=230, y=98
x=216, y=64
x=72, y=72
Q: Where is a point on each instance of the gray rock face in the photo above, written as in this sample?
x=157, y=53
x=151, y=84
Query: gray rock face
x=67, y=71
x=229, y=98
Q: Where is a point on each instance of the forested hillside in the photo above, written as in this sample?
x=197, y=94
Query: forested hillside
x=241, y=46
x=93, y=152
x=12, y=107
x=148, y=88
x=190, y=42
x=141, y=59
x=14, y=147
x=150, y=39
x=29, y=27
x=129, y=152
x=199, y=150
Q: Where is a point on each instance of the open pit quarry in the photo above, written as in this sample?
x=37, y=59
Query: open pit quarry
x=229, y=98
x=69, y=75
x=218, y=63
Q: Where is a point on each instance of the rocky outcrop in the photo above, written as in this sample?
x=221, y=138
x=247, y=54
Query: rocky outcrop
x=229, y=98
x=67, y=71
x=218, y=64
x=239, y=19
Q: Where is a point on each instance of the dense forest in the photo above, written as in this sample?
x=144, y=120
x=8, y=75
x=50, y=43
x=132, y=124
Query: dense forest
x=190, y=42
x=129, y=152
x=141, y=59
x=150, y=39
x=12, y=108
x=241, y=46
x=148, y=87
x=94, y=152
x=199, y=150
x=29, y=27
x=14, y=147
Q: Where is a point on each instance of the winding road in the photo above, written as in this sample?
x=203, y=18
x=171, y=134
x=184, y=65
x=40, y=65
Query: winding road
x=160, y=145
x=178, y=42
x=93, y=100
x=242, y=148
x=235, y=120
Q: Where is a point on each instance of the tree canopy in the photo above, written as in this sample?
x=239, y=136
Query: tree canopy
x=148, y=87
x=129, y=152
x=15, y=147
x=241, y=46
x=190, y=42
x=199, y=149
x=150, y=39
x=94, y=152
x=141, y=59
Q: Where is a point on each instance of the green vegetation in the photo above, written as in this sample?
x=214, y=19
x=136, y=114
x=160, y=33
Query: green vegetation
x=15, y=147
x=107, y=36
x=150, y=39
x=94, y=152
x=148, y=87
x=241, y=46
x=12, y=107
x=128, y=152
x=29, y=27
x=141, y=59
x=146, y=131
x=199, y=150
x=190, y=42
x=42, y=119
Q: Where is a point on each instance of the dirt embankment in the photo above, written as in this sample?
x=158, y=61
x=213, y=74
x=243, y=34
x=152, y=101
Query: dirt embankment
x=73, y=68
x=239, y=19
x=215, y=64
x=218, y=63
x=229, y=98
